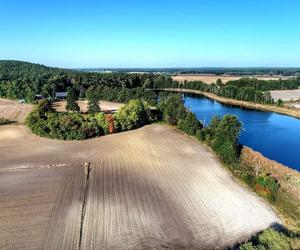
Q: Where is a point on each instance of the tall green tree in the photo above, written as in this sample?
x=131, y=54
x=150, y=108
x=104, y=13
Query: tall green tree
x=30, y=96
x=225, y=138
x=132, y=115
x=190, y=124
x=173, y=109
x=71, y=101
x=93, y=103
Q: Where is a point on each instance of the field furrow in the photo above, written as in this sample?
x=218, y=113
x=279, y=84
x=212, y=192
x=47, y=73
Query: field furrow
x=148, y=194
x=41, y=208
x=148, y=188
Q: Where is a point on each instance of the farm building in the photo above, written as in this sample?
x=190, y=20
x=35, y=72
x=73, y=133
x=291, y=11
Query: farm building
x=61, y=95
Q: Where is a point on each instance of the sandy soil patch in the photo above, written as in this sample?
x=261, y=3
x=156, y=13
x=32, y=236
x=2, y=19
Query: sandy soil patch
x=41, y=208
x=294, y=105
x=213, y=78
x=151, y=187
x=106, y=106
x=13, y=110
x=286, y=95
x=10, y=133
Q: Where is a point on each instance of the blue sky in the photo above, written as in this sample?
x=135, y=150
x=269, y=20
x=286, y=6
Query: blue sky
x=165, y=33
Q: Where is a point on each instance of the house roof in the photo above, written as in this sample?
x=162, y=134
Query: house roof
x=61, y=94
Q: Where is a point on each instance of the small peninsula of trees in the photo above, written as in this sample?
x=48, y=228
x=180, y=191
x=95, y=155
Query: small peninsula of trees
x=244, y=89
x=45, y=121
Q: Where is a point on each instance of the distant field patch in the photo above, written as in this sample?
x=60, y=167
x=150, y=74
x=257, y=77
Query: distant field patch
x=286, y=95
x=107, y=106
x=14, y=111
x=213, y=78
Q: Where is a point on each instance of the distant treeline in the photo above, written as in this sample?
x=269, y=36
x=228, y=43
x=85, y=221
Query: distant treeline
x=21, y=80
x=245, y=89
x=206, y=70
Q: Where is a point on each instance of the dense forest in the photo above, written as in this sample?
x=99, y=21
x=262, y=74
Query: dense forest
x=21, y=80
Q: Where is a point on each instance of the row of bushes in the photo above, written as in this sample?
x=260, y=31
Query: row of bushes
x=221, y=134
x=231, y=90
x=44, y=121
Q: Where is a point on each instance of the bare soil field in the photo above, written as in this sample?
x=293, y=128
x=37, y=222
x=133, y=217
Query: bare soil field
x=286, y=95
x=41, y=208
x=105, y=106
x=148, y=188
x=213, y=78
x=14, y=111
x=294, y=105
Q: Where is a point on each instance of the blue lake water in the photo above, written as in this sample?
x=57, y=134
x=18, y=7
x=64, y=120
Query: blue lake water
x=275, y=136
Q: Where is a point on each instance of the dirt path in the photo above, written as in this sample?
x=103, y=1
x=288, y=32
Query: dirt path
x=151, y=187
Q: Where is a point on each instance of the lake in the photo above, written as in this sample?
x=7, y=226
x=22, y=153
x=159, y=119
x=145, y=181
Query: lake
x=275, y=136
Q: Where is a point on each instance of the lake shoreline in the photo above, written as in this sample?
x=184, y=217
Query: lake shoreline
x=251, y=105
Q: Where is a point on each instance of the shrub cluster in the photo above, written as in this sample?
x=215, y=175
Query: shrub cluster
x=44, y=121
x=222, y=135
x=134, y=114
x=270, y=239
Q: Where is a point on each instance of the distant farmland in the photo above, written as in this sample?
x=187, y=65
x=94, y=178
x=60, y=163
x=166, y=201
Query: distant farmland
x=213, y=78
x=286, y=95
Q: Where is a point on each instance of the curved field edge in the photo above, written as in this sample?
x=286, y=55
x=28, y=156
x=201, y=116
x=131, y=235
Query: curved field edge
x=150, y=187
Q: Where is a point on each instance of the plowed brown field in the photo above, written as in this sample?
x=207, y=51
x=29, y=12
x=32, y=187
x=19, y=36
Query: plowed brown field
x=41, y=208
x=148, y=188
x=13, y=110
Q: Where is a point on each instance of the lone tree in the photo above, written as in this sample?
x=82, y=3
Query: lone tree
x=71, y=101
x=93, y=102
